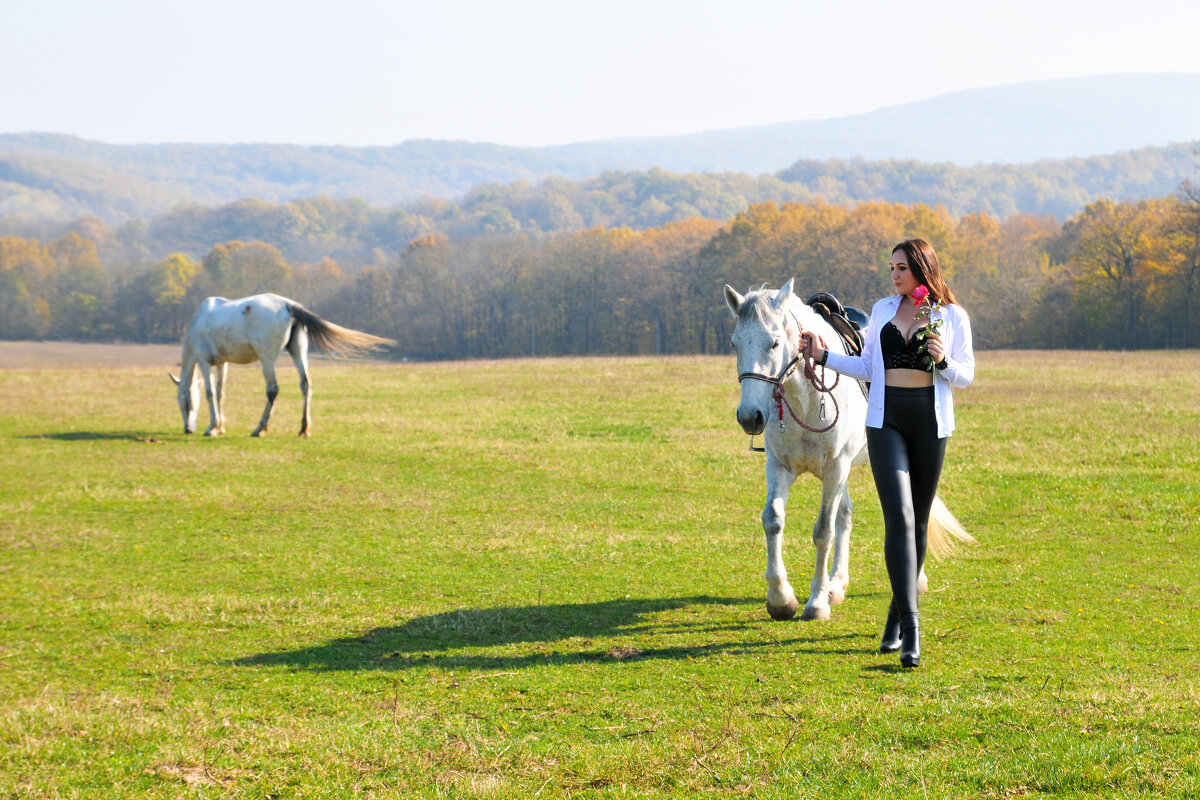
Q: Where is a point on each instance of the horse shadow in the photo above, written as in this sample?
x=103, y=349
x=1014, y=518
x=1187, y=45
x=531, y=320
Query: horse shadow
x=560, y=634
x=97, y=436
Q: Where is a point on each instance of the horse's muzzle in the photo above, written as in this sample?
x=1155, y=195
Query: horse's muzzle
x=753, y=421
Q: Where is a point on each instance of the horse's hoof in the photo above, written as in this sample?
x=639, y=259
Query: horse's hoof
x=785, y=611
x=836, y=598
x=922, y=584
x=815, y=613
x=303, y=434
x=258, y=434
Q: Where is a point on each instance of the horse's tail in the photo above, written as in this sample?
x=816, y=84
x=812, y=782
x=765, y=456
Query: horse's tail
x=945, y=532
x=334, y=339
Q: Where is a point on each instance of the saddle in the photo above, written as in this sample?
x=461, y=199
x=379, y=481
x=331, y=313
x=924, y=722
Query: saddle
x=848, y=321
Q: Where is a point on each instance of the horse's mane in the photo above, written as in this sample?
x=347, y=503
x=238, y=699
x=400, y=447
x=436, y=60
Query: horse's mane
x=756, y=307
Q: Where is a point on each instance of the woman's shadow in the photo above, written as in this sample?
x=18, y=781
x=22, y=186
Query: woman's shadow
x=556, y=634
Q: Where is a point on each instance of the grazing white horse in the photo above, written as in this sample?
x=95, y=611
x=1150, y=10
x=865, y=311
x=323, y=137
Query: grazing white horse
x=256, y=328
x=781, y=394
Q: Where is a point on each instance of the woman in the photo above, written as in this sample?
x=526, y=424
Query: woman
x=910, y=414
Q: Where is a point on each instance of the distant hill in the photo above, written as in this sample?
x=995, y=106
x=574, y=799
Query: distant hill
x=1019, y=123
x=53, y=176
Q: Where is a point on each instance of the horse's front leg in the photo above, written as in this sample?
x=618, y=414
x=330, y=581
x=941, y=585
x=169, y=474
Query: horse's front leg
x=268, y=370
x=833, y=486
x=211, y=392
x=781, y=598
x=221, y=373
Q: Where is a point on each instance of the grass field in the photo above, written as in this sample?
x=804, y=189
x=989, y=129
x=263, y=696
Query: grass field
x=544, y=578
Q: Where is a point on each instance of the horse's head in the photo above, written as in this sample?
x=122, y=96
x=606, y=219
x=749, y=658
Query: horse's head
x=764, y=345
x=188, y=395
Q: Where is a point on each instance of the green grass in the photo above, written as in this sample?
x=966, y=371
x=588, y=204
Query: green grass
x=520, y=578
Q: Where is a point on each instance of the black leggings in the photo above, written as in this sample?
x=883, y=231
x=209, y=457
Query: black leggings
x=906, y=459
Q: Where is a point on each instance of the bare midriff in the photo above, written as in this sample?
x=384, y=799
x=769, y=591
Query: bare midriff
x=907, y=378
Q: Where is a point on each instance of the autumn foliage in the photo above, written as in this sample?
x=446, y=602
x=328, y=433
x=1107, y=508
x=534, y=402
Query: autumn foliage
x=1116, y=275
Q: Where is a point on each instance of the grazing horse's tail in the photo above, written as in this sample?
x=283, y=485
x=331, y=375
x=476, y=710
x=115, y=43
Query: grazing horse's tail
x=334, y=339
x=945, y=532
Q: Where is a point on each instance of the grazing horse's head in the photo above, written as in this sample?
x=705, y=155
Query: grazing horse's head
x=764, y=345
x=188, y=395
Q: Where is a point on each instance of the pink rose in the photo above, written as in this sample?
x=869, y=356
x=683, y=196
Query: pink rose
x=920, y=293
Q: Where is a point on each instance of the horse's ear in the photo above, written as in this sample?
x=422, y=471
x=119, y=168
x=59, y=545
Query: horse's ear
x=733, y=300
x=173, y=378
x=783, y=296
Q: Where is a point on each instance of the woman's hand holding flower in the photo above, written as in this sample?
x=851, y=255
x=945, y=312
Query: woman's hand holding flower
x=929, y=334
x=935, y=348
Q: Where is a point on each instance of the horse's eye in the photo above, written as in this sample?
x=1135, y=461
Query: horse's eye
x=774, y=344
x=732, y=346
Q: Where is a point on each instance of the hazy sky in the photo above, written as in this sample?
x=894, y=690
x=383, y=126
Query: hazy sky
x=526, y=72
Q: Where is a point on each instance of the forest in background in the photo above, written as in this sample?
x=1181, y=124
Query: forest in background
x=1115, y=275
x=464, y=189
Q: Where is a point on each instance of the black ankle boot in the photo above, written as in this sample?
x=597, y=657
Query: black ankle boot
x=910, y=641
x=891, y=631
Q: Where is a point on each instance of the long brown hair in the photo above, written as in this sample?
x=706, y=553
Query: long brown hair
x=923, y=262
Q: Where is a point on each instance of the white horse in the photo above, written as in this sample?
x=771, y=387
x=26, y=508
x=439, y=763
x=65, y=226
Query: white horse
x=809, y=430
x=256, y=328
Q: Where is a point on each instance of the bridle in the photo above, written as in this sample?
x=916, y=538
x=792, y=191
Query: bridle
x=780, y=396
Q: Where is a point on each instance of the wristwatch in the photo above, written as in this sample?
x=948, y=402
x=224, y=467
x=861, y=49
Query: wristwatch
x=942, y=364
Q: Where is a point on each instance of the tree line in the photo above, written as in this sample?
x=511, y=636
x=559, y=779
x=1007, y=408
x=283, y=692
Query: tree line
x=1115, y=275
x=159, y=195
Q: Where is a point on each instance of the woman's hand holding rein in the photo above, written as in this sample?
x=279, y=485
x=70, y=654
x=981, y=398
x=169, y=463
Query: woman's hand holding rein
x=812, y=346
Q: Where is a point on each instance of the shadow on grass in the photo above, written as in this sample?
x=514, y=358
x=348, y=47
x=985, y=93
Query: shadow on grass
x=553, y=634
x=892, y=668
x=98, y=436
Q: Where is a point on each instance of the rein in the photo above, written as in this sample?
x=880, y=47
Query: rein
x=780, y=396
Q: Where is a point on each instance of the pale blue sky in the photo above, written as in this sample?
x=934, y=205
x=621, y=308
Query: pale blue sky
x=527, y=72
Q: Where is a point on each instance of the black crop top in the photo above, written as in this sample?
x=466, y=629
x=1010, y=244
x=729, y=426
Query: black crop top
x=899, y=354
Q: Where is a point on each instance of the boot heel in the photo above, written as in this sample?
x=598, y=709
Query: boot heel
x=910, y=643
